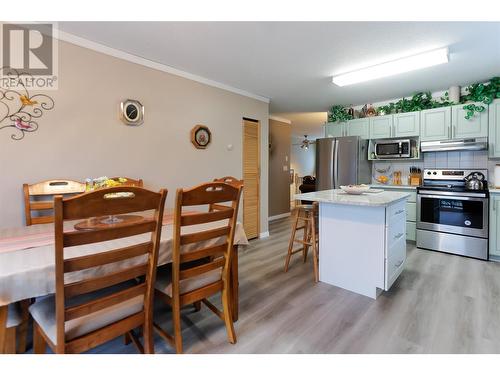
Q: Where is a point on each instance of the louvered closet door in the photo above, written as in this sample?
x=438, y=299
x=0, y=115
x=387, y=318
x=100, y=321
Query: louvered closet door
x=251, y=178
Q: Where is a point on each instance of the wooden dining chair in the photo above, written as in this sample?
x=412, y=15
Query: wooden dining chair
x=39, y=197
x=130, y=181
x=89, y=309
x=202, y=257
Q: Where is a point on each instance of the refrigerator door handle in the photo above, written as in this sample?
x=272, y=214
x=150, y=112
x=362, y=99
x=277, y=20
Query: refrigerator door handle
x=336, y=164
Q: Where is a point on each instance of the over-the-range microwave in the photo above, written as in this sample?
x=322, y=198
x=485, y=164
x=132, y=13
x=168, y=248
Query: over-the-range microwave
x=394, y=148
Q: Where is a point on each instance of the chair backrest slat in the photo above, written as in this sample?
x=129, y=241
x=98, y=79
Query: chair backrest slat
x=77, y=238
x=102, y=282
x=230, y=180
x=112, y=201
x=204, y=235
x=94, y=260
x=207, y=217
x=212, y=251
x=204, y=268
x=111, y=270
x=46, y=190
x=42, y=205
x=93, y=306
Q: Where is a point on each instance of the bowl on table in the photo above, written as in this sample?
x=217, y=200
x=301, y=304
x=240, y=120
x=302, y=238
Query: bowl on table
x=355, y=189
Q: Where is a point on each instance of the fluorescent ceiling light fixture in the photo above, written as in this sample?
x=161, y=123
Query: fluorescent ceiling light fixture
x=405, y=64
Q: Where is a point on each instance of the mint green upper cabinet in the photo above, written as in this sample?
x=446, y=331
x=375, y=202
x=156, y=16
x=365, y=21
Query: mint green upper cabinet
x=494, y=225
x=407, y=124
x=359, y=127
x=381, y=127
x=475, y=127
x=435, y=124
x=335, y=129
x=494, y=129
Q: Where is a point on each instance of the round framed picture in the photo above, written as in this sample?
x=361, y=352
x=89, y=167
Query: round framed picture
x=201, y=136
x=132, y=112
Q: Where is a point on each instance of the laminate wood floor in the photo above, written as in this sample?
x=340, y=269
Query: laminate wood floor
x=440, y=304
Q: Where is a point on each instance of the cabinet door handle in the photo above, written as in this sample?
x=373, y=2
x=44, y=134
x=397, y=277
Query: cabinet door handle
x=400, y=263
x=454, y=132
x=399, y=212
x=449, y=131
x=398, y=236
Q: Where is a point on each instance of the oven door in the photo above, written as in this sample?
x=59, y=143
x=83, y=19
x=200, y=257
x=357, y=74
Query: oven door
x=463, y=215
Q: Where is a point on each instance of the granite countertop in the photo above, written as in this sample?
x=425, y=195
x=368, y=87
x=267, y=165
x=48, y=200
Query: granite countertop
x=403, y=187
x=494, y=190
x=337, y=196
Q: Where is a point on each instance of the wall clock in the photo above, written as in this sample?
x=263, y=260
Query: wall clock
x=201, y=136
x=132, y=112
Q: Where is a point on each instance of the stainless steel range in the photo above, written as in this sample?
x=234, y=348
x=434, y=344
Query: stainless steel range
x=452, y=212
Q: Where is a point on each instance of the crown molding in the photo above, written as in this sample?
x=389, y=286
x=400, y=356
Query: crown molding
x=98, y=47
x=280, y=119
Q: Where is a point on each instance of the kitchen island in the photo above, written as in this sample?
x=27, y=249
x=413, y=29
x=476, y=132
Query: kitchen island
x=362, y=239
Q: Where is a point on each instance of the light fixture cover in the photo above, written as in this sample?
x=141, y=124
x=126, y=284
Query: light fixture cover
x=390, y=68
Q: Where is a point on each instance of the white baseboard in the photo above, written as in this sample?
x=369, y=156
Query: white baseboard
x=264, y=234
x=280, y=216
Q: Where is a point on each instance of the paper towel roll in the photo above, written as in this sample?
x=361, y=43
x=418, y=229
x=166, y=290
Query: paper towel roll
x=497, y=176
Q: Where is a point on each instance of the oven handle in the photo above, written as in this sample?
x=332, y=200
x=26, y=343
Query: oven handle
x=458, y=198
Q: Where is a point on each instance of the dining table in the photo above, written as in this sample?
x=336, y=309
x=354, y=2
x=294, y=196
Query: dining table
x=27, y=259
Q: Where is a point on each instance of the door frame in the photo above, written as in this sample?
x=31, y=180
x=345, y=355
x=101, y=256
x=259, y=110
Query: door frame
x=259, y=135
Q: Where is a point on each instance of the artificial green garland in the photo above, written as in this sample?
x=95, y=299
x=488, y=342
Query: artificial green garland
x=477, y=92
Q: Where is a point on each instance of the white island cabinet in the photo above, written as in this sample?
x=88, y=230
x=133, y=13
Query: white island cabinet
x=362, y=239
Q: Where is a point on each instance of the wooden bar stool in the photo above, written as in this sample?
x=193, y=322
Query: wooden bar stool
x=307, y=214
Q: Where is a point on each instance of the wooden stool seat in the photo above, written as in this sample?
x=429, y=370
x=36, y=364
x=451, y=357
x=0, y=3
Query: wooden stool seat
x=306, y=214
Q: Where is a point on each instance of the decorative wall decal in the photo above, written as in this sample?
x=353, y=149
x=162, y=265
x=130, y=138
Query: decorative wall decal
x=201, y=136
x=18, y=109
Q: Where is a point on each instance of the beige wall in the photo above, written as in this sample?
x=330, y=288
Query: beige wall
x=279, y=168
x=83, y=137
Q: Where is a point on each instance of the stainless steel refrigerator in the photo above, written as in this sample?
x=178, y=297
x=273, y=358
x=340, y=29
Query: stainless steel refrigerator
x=341, y=161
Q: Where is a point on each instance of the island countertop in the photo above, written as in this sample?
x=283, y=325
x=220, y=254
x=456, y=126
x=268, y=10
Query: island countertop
x=337, y=196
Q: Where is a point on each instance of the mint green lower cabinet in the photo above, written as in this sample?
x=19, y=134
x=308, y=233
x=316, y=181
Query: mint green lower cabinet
x=407, y=124
x=435, y=124
x=359, y=127
x=475, y=127
x=494, y=129
x=411, y=231
x=381, y=127
x=495, y=225
x=334, y=129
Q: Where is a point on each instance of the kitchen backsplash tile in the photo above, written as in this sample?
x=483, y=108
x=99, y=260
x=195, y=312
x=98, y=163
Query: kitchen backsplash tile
x=450, y=159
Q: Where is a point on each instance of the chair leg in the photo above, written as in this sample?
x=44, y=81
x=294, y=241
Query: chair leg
x=39, y=344
x=23, y=327
x=176, y=318
x=3, y=327
x=292, y=238
x=10, y=341
x=314, y=249
x=228, y=320
x=147, y=334
x=197, y=306
x=307, y=234
x=126, y=339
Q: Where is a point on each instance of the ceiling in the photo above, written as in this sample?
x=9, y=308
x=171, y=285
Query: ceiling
x=305, y=123
x=292, y=62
